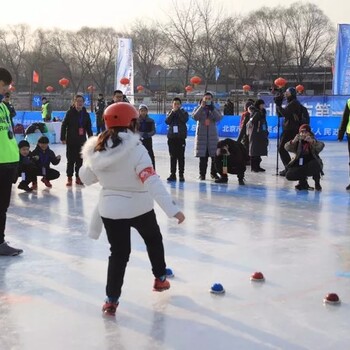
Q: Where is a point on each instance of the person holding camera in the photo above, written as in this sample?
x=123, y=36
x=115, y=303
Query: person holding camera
x=258, y=135
x=206, y=137
x=291, y=114
x=306, y=161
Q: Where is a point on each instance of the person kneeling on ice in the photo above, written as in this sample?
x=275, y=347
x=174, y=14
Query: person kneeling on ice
x=306, y=161
x=231, y=158
x=44, y=157
x=121, y=164
x=26, y=167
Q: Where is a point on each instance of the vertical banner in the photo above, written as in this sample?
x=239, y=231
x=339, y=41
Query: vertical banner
x=125, y=68
x=341, y=75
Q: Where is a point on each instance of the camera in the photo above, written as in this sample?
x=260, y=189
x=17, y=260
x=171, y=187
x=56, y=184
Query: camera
x=278, y=96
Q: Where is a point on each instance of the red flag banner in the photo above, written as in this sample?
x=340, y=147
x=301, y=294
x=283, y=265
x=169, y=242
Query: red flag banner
x=35, y=77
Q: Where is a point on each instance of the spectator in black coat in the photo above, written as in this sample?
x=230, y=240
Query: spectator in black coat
x=76, y=126
x=177, y=133
x=146, y=128
x=99, y=108
x=258, y=135
x=292, y=116
x=228, y=107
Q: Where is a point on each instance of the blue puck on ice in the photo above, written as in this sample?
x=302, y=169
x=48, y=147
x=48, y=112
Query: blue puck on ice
x=217, y=288
x=169, y=273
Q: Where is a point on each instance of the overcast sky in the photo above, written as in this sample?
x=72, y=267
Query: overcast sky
x=73, y=14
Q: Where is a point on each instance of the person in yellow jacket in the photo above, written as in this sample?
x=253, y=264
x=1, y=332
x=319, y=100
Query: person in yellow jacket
x=345, y=129
x=46, y=110
x=9, y=157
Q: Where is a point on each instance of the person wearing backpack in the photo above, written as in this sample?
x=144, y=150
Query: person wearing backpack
x=345, y=129
x=292, y=121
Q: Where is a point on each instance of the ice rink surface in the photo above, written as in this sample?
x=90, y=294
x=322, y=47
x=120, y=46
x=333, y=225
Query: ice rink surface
x=51, y=296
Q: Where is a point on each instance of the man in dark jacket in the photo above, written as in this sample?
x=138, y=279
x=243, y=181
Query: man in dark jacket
x=99, y=109
x=345, y=129
x=146, y=128
x=9, y=106
x=177, y=133
x=75, y=126
x=228, y=107
x=291, y=114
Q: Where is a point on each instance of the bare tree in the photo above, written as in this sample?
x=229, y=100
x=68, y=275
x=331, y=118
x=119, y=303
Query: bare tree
x=206, y=53
x=238, y=56
x=102, y=70
x=148, y=47
x=311, y=34
x=13, y=44
x=269, y=35
x=182, y=31
x=60, y=48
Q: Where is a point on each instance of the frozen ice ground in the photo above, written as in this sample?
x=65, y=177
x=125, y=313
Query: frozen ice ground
x=51, y=296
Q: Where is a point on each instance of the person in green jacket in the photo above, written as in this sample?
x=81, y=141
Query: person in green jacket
x=46, y=110
x=345, y=129
x=9, y=157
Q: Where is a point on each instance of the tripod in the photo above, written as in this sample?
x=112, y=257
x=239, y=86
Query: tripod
x=278, y=143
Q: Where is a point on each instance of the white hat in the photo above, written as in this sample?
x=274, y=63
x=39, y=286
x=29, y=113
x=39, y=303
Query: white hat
x=142, y=105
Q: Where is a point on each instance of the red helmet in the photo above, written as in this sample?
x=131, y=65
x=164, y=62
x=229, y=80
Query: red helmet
x=119, y=114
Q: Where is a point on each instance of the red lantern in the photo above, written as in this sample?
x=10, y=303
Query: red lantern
x=140, y=88
x=124, y=81
x=280, y=82
x=246, y=88
x=91, y=88
x=188, y=88
x=300, y=88
x=195, y=80
x=49, y=88
x=12, y=88
x=63, y=82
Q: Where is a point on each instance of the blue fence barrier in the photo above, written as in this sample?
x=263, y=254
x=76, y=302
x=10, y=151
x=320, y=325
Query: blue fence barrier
x=325, y=128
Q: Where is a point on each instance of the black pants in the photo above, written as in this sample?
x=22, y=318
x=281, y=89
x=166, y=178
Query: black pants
x=177, y=155
x=118, y=234
x=348, y=137
x=100, y=125
x=149, y=147
x=74, y=160
x=312, y=168
x=286, y=136
x=29, y=171
x=50, y=174
x=203, y=165
x=255, y=163
x=8, y=175
x=236, y=169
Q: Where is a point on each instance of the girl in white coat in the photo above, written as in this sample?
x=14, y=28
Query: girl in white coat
x=121, y=164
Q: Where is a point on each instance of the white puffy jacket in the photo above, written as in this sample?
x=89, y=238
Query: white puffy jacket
x=119, y=171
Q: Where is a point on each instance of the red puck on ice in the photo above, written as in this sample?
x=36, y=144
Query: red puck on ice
x=257, y=277
x=331, y=298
